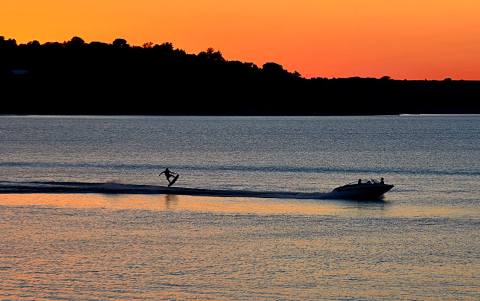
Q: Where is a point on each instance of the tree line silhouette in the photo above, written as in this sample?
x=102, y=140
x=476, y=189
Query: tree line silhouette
x=76, y=77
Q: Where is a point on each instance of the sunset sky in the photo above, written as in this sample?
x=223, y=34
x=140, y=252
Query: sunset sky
x=413, y=39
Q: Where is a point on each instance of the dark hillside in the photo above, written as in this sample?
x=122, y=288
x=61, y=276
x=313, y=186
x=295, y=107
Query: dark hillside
x=97, y=78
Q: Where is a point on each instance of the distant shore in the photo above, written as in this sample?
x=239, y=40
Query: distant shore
x=96, y=78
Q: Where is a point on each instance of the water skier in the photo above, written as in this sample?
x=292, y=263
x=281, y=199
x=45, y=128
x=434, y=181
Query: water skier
x=169, y=175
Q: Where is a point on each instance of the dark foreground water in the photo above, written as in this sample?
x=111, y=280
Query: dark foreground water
x=421, y=243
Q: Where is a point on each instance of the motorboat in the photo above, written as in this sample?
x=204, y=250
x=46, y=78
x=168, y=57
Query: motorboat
x=370, y=189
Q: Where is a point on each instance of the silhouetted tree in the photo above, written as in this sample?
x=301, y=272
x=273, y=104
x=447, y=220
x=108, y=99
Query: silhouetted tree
x=211, y=55
x=147, y=45
x=34, y=44
x=75, y=42
x=120, y=43
x=273, y=68
x=52, y=45
x=164, y=47
x=10, y=43
x=276, y=71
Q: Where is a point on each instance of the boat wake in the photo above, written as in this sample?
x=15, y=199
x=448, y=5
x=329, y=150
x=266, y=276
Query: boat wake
x=116, y=188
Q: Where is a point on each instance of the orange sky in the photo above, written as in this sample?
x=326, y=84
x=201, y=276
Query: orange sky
x=414, y=39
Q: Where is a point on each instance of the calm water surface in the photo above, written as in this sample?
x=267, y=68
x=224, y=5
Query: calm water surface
x=421, y=243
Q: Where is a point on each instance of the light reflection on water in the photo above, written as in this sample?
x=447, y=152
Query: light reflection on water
x=101, y=247
x=230, y=205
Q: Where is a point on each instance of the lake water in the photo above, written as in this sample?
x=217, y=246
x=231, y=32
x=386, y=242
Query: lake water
x=421, y=243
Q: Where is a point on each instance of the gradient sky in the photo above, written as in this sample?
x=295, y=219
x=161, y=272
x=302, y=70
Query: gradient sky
x=414, y=39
